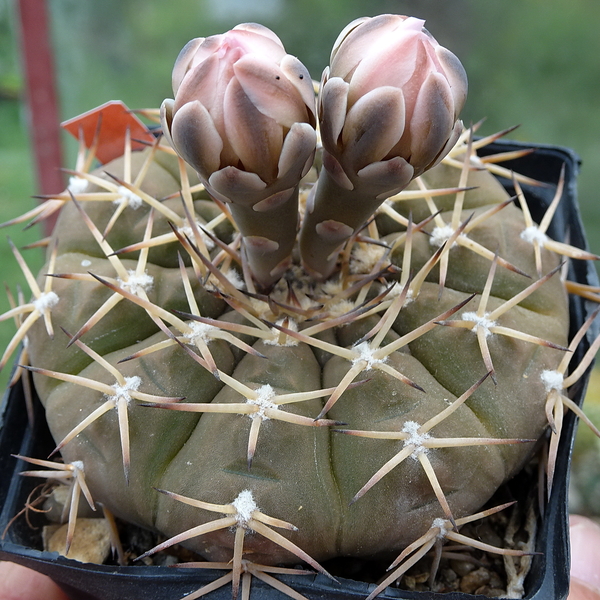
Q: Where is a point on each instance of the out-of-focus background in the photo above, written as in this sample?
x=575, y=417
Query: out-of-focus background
x=533, y=63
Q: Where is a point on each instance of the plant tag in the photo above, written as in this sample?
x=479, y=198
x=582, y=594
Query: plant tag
x=109, y=122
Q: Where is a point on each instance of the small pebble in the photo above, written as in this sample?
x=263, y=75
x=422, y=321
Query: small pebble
x=91, y=541
x=462, y=567
x=449, y=575
x=474, y=580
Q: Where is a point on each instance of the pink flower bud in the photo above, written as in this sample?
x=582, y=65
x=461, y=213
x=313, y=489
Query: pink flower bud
x=237, y=97
x=244, y=117
x=389, y=102
x=388, y=110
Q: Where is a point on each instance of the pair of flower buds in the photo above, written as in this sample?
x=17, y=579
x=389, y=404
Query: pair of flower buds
x=245, y=115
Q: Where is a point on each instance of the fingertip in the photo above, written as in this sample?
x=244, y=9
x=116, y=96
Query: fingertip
x=579, y=590
x=585, y=558
x=19, y=583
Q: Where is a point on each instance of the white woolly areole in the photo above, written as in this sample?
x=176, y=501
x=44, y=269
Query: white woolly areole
x=265, y=394
x=245, y=506
x=137, y=283
x=77, y=466
x=442, y=525
x=533, y=234
x=440, y=235
x=552, y=380
x=260, y=309
x=483, y=322
x=332, y=287
x=365, y=257
x=234, y=278
x=341, y=308
x=276, y=334
x=396, y=290
x=415, y=438
x=366, y=353
x=46, y=301
x=121, y=392
x=127, y=196
x=77, y=185
x=200, y=332
x=188, y=231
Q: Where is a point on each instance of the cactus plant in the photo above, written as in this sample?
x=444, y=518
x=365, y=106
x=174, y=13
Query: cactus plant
x=358, y=389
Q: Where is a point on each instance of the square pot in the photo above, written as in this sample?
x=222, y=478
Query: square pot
x=549, y=575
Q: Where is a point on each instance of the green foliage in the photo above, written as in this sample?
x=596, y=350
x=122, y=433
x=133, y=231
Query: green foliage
x=16, y=186
x=537, y=64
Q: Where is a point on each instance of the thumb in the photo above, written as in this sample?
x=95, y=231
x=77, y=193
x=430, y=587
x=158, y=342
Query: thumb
x=585, y=559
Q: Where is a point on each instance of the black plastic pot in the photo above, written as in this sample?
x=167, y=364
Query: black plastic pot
x=549, y=575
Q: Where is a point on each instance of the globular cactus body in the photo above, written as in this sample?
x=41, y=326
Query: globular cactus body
x=305, y=475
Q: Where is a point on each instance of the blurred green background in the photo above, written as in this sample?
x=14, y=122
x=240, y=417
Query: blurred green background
x=530, y=62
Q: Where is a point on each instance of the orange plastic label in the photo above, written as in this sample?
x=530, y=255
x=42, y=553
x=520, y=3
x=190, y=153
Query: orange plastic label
x=109, y=122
